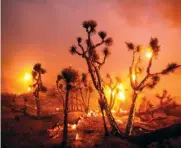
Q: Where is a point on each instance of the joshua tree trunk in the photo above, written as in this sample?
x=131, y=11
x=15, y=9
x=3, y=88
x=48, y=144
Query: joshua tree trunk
x=37, y=106
x=97, y=85
x=114, y=126
x=65, y=128
x=129, y=125
x=104, y=122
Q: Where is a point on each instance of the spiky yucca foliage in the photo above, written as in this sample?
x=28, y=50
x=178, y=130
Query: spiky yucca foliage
x=38, y=86
x=70, y=77
x=94, y=63
x=150, y=80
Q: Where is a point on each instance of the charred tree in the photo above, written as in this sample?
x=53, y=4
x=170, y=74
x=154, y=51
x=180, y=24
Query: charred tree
x=69, y=77
x=150, y=80
x=38, y=86
x=92, y=59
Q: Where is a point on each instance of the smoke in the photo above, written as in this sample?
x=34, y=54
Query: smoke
x=171, y=11
x=143, y=13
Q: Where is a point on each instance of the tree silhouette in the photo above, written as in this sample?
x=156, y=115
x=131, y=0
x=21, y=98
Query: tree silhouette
x=38, y=86
x=70, y=77
x=165, y=96
x=94, y=63
x=150, y=79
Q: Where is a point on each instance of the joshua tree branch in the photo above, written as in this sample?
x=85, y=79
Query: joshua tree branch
x=99, y=44
x=82, y=48
x=149, y=65
x=101, y=63
x=80, y=54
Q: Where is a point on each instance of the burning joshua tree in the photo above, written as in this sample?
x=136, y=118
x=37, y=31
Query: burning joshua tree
x=38, y=86
x=89, y=52
x=149, y=81
x=115, y=91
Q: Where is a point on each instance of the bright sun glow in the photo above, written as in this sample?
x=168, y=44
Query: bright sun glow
x=149, y=55
x=27, y=77
x=121, y=96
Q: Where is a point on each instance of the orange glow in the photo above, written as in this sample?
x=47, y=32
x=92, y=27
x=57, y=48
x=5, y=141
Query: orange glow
x=148, y=55
x=121, y=96
x=133, y=77
x=29, y=89
x=57, y=109
x=91, y=113
x=27, y=77
x=113, y=111
x=123, y=111
x=119, y=121
x=74, y=126
x=121, y=87
x=77, y=137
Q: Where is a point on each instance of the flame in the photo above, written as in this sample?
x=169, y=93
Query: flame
x=74, y=126
x=148, y=55
x=27, y=77
x=77, y=137
x=29, y=89
x=119, y=121
x=57, y=109
x=113, y=111
x=91, y=113
x=121, y=87
x=133, y=77
x=121, y=96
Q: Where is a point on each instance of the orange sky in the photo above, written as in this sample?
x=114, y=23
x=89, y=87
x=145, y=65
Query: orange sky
x=43, y=30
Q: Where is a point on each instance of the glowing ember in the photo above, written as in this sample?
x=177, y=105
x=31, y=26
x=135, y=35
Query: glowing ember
x=119, y=121
x=27, y=77
x=57, y=109
x=77, y=137
x=74, y=126
x=91, y=113
x=148, y=55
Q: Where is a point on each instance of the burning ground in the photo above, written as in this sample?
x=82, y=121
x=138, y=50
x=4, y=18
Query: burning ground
x=85, y=130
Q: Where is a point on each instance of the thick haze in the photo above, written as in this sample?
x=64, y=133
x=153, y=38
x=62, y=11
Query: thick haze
x=43, y=30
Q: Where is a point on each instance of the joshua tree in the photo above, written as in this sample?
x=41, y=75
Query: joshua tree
x=149, y=81
x=38, y=85
x=69, y=76
x=164, y=96
x=90, y=53
x=114, y=90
